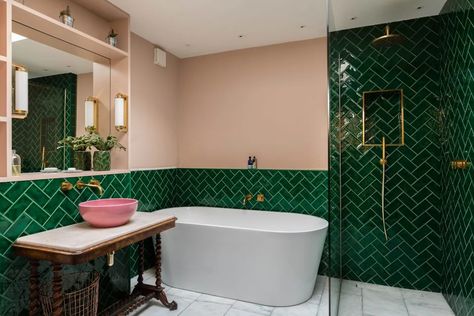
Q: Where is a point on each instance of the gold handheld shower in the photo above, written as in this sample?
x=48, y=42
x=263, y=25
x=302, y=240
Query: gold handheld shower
x=383, y=162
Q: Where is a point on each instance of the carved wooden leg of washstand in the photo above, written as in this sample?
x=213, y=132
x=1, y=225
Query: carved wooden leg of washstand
x=161, y=295
x=141, y=266
x=34, y=289
x=57, y=290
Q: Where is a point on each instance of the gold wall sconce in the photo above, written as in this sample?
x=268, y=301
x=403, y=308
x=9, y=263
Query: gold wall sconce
x=91, y=114
x=20, y=92
x=121, y=112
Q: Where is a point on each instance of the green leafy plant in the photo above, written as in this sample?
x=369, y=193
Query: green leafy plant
x=113, y=34
x=106, y=144
x=77, y=143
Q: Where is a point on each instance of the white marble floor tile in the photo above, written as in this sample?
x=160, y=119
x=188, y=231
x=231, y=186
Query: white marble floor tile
x=351, y=287
x=380, y=288
x=305, y=309
x=149, y=275
x=253, y=308
x=421, y=303
x=205, y=309
x=323, y=307
x=215, y=299
x=350, y=305
x=321, y=285
x=323, y=310
x=414, y=294
x=238, y=312
x=357, y=299
x=182, y=293
x=383, y=302
x=154, y=307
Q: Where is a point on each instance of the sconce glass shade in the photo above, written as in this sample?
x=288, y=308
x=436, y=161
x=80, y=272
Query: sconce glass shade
x=91, y=120
x=20, y=106
x=121, y=112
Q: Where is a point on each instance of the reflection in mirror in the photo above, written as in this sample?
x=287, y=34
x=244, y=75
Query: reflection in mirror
x=58, y=85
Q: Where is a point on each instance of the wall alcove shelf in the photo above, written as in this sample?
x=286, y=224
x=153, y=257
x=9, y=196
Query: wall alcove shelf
x=39, y=21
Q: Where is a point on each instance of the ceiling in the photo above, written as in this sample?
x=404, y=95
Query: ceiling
x=42, y=60
x=199, y=27
x=348, y=14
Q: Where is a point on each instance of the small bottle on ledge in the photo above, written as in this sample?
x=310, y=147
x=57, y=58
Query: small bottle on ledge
x=250, y=163
x=16, y=164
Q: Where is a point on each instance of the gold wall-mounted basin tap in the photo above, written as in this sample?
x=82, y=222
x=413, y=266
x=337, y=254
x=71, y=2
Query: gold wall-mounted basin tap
x=92, y=184
x=66, y=186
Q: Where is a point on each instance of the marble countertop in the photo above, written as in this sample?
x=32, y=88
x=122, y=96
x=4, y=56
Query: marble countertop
x=82, y=236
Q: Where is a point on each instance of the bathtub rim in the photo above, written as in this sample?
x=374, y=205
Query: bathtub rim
x=323, y=227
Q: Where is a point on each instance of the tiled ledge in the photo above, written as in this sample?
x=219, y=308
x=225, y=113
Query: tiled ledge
x=59, y=175
x=152, y=168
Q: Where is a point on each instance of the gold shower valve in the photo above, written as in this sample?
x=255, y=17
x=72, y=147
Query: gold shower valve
x=260, y=197
x=460, y=164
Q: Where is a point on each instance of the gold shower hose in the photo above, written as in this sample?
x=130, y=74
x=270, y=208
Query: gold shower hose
x=383, y=162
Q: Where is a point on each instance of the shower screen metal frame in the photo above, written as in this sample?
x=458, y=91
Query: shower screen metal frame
x=402, y=117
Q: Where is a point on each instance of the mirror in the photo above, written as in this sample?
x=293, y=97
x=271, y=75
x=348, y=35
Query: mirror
x=60, y=79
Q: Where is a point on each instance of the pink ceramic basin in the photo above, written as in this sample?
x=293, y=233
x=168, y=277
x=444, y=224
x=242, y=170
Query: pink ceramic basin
x=108, y=212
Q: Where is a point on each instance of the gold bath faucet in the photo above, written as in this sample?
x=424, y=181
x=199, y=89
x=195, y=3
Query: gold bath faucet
x=248, y=197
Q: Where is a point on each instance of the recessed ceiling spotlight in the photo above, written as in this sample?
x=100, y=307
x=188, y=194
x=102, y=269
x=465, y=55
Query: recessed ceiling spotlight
x=241, y=36
x=302, y=26
x=68, y=66
x=46, y=70
x=419, y=8
x=188, y=45
x=353, y=18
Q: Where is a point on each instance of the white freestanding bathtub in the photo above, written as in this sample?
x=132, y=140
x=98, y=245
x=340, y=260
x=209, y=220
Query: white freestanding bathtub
x=268, y=258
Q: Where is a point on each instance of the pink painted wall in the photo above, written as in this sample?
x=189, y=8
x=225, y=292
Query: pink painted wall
x=268, y=101
x=153, y=108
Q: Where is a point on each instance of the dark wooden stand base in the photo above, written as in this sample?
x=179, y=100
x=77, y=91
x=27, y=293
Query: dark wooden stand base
x=141, y=294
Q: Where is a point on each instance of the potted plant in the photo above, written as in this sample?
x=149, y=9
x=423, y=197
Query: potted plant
x=79, y=145
x=112, y=38
x=101, y=158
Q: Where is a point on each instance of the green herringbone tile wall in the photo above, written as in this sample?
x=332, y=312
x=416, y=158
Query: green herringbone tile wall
x=28, y=207
x=52, y=115
x=457, y=84
x=412, y=256
x=285, y=190
x=154, y=189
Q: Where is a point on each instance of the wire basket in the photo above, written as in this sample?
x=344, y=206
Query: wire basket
x=80, y=299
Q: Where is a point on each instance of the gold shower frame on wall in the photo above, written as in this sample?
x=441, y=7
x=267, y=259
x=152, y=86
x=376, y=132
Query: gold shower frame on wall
x=402, y=117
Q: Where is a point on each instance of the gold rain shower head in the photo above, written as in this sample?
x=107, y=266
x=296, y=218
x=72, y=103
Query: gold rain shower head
x=388, y=39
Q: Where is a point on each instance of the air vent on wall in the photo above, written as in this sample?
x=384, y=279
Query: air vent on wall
x=160, y=57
